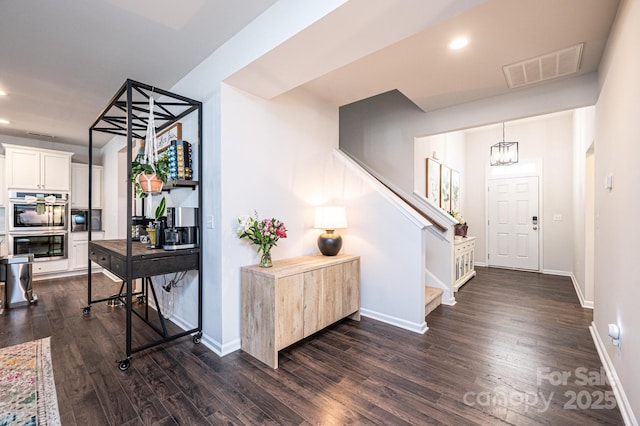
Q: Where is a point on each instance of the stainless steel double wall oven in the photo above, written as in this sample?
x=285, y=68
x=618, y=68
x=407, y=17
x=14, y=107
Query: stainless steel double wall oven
x=38, y=224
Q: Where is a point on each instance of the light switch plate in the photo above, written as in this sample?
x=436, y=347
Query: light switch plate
x=608, y=184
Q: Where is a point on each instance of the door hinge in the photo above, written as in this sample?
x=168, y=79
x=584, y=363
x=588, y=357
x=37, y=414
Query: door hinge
x=488, y=255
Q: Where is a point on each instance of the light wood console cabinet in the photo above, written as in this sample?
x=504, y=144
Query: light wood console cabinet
x=295, y=298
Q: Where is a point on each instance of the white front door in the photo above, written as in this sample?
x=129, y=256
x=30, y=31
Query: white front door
x=514, y=223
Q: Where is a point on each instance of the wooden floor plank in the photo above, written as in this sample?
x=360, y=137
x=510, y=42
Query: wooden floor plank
x=477, y=363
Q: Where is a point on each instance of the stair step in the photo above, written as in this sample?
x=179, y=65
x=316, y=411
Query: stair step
x=433, y=298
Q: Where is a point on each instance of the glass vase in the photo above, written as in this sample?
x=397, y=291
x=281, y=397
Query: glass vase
x=265, y=260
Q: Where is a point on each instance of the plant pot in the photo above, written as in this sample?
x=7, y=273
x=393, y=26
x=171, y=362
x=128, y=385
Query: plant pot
x=150, y=184
x=460, y=230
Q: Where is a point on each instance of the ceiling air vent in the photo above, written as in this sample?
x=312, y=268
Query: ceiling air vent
x=545, y=67
x=41, y=135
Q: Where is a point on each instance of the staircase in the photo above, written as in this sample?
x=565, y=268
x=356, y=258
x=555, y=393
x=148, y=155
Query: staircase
x=433, y=298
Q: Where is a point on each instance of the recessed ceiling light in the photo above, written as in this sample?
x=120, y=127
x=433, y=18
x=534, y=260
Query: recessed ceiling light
x=3, y=93
x=458, y=43
x=4, y=121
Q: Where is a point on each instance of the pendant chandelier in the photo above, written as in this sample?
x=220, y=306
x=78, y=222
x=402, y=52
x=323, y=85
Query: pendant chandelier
x=504, y=153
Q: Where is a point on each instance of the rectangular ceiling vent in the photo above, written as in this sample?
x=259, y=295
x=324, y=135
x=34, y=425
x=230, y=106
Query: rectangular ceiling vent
x=545, y=67
x=41, y=135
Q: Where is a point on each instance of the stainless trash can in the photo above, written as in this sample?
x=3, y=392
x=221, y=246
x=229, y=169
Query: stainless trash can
x=15, y=271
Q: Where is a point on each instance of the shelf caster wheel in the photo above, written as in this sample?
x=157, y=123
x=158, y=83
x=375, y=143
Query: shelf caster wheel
x=86, y=310
x=197, y=338
x=124, y=364
x=141, y=299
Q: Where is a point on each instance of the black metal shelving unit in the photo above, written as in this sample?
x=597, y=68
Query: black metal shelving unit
x=127, y=114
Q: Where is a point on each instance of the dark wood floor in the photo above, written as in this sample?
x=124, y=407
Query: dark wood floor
x=487, y=360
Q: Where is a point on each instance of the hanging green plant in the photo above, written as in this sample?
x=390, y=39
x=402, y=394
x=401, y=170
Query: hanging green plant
x=160, y=169
x=150, y=170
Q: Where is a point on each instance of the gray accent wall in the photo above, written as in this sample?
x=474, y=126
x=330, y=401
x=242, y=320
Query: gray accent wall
x=379, y=131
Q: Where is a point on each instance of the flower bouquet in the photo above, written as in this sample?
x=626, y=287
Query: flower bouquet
x=264, y=233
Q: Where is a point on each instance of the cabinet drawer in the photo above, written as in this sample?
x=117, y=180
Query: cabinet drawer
x=188, y=260
x=47, y=267
x=118, y=267
x=101, y=258
x=460, y=248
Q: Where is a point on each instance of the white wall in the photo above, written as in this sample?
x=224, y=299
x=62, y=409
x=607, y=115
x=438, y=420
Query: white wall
x=449, y=148
x=273, y=156
x=277, y=159
x=278, y=23
x=583, y=122
x=549, y=138
x=617, y=269
x=389, y=237
x=112, y=181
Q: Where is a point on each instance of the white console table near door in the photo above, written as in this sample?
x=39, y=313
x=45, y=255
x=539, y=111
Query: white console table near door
x=463, y=263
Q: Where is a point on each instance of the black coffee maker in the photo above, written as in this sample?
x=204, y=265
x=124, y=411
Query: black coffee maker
x=182, y=228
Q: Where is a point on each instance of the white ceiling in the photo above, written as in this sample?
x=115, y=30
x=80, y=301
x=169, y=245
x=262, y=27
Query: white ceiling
x=61, y=61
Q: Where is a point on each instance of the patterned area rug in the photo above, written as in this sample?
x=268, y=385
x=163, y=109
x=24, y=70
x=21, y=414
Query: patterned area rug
x=27, y=386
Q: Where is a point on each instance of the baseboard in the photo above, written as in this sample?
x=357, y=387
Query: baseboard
x=584, y=303
x=111, y=276
x=397, y=322
x=482, y=264
x=555, y=272
x=621, y=397
x=450, y=302
x=221, y=349
x=64, y=274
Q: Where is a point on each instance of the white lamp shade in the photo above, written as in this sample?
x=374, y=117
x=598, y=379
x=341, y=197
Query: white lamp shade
x=331, y=217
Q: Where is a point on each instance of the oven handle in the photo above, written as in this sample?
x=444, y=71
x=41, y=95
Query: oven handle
x=22, y=201
x=37, y=233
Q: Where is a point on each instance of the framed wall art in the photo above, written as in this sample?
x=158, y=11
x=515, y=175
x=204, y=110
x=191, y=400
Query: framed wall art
x=455, y=190
x=165, y=137
x=433, y=181
x=445, y=187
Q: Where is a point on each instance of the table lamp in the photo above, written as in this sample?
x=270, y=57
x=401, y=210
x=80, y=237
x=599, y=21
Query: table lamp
x=330, y=218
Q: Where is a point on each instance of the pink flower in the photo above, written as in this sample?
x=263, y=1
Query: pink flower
x=264, y=233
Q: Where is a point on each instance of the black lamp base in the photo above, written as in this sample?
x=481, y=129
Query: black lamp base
x=330, y=243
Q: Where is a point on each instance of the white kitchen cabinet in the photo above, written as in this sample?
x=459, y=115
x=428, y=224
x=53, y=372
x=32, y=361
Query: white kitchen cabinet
x=37, y=169
x=4, y=247
x=49, y=267
x=79, y=249
x=3, y=188
x=80, y=186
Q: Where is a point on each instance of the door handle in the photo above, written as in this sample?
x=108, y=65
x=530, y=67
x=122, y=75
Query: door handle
x=535, y=228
